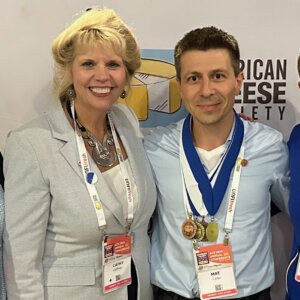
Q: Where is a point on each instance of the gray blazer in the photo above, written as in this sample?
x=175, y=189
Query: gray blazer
x=52, y=243
x=2, y=285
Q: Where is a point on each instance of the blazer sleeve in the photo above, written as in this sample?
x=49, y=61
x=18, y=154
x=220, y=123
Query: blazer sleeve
x=27, y=204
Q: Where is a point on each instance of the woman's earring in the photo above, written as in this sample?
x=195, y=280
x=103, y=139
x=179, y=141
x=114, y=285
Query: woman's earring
x=71, y=93
x=123, y=94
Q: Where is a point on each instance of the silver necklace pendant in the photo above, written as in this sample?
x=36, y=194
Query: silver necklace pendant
x=104, y=158
x=104, y=154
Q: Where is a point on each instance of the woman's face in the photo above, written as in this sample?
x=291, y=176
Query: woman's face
x=99, y=77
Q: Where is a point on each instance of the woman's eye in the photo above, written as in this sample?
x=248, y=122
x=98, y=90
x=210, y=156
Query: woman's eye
x=87, y=64
x=113, y=64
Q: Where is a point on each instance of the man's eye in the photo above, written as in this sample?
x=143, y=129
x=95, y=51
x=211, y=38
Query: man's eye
x=219, y=76
x=193, y=78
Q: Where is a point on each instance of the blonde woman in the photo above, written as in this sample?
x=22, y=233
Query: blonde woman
x=79, y=189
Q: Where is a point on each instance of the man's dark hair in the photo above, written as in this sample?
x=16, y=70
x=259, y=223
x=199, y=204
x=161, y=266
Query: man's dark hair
x=204, y=39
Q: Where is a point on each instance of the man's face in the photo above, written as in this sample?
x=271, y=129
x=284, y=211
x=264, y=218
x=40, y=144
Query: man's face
x=208, y=85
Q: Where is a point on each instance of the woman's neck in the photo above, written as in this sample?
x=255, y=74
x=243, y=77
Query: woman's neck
x=93, y=121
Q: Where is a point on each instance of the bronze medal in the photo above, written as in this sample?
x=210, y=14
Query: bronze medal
x=212, y=231
x=189, y=229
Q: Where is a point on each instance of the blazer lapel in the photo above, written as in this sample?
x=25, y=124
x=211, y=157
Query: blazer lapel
x=62, y=130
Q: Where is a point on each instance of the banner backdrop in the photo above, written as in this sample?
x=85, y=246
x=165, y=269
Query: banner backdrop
x=267, y=32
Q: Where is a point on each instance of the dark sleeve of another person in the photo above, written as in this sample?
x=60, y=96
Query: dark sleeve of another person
x=1, y=171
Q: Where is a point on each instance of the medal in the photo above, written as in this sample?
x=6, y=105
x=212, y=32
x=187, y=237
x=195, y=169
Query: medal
x=201, y=230
x=189, y=229
x=212, y=231
x=200, y=233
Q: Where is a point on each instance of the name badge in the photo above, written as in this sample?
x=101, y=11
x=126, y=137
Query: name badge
x=297, y=275
x=116, y=257
x=214, y=267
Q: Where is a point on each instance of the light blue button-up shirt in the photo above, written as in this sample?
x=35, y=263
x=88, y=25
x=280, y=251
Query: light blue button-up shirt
x=266, y=175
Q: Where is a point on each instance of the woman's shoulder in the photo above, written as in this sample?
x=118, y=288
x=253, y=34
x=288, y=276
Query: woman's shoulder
x=123, y=114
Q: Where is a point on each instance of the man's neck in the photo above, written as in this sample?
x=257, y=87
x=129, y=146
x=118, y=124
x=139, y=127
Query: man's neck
x=209, y=137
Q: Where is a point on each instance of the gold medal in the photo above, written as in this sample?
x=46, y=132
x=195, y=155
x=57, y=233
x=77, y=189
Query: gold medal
x=212, y=231
x=200, y=234
x=189, y=229
x=201, y=230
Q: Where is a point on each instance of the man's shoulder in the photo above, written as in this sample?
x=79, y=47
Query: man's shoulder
x=164, y=136
x=261, y=135
x=171, y=131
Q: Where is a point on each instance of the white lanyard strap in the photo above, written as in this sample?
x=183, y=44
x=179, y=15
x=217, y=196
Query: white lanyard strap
x=190, y=185
x=125, y=175
x=85, y=169
x=231, y=203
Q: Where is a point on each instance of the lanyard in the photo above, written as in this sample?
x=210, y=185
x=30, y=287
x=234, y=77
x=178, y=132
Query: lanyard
x=191, y=188
x=212, y=196
x=189, y=183
x=125, y=175
x=86, y=172
x=232, y=197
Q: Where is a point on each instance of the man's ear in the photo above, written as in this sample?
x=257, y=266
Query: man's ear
x=239, y=82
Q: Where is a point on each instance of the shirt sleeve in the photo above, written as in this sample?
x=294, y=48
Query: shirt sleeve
x=280, y=188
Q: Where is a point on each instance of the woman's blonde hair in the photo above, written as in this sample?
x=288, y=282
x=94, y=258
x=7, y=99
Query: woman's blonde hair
x=96, y=27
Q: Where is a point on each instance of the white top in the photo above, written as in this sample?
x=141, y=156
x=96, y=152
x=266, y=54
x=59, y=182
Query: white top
x=210, y=158
x=115, y=181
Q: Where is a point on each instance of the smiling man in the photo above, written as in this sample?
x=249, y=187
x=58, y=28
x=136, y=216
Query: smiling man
x=215, y=176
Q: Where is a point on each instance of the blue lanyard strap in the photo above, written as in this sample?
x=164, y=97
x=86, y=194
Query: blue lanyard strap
x=212, y=196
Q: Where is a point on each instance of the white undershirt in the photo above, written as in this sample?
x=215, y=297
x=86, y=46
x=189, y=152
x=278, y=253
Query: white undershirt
x=115, y=181
x=211, y=158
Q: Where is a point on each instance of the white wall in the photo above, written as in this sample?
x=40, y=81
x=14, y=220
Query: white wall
x=265, y=29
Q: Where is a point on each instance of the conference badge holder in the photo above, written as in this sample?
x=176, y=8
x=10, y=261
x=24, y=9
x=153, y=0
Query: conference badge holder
x=214, y=267
x=116, y=262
